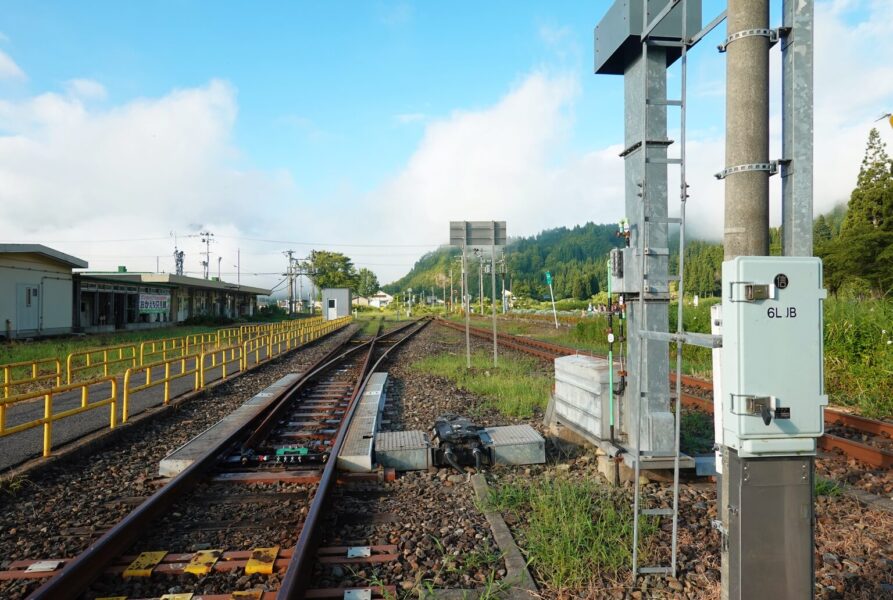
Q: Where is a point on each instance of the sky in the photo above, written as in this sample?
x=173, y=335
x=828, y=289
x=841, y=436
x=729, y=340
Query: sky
x=361, y=127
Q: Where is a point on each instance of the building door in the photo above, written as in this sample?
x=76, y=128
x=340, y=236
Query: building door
x=332, y=312
x=27, y=307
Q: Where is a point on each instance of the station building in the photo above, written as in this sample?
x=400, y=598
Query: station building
x=125, y=300
x=36, y=290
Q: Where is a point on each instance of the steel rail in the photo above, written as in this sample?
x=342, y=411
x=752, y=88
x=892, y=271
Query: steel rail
x=872, y=455
x=81, y=571
x=296, y=581
x=330, y=359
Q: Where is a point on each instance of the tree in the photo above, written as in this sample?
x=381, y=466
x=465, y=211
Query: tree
x=861, y=257
x=871, y=203
x=332, y=270
x=821, y=231
x=367, y=283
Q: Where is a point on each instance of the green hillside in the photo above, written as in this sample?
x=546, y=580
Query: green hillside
x=576, y=257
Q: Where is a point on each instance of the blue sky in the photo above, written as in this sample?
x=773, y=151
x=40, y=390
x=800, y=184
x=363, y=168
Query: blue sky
x=367, y=124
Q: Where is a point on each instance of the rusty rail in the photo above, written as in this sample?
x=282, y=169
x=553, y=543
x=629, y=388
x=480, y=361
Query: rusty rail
x=877, y=457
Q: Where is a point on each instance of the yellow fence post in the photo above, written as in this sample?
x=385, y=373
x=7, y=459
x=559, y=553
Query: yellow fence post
x=47, y=423
x=114, y=404
x=125, y=399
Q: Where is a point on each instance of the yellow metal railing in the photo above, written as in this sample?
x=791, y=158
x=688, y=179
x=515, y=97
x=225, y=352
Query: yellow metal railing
x=33, y=370
x=95, y=358
x=229, y=336
x=193, y=356
x=150, y=380
x=158, y=350
x=49, y=417
x=222, y=358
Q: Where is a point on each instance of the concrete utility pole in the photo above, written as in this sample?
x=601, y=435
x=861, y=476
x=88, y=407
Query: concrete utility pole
x=290, y=274
x=205, y=237
x=765, y=504
x=747, y=131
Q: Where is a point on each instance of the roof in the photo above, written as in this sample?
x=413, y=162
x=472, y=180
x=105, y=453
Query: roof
x=177, y=280
x=55, y=255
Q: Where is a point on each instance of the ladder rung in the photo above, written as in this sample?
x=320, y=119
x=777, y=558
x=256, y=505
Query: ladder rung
x=655, y=570
x=664, y=102
x=665, y=43
x=664, y=161
x=657, y=251
x=658, y=512
x=650, y=454
x=663, y=220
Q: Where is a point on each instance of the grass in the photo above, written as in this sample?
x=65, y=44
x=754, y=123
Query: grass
x=696, y=433
x=826, y=487
x=859, y=355
x=515, y=388
x=572, y=531
x=858, y=341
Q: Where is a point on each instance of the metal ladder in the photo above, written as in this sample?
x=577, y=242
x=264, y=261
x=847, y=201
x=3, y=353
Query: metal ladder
x=645, y=251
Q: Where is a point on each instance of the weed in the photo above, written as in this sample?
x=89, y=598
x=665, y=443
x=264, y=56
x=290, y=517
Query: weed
x=516, y=388
x=15, y=485
x=826, y=487
x=573, y=529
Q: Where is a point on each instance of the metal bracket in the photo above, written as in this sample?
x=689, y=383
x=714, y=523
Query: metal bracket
x=752, y=405
x=772, y=34
x=771, y=167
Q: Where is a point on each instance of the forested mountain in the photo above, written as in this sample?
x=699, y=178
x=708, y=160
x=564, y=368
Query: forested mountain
x=576, y=258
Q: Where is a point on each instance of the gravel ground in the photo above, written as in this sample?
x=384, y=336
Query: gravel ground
x=57, y=511
x=442, y=539
x=854, y=549
x=417, y=399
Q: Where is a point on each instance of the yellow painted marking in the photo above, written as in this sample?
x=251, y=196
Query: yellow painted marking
x=249, y=595
x=177, y=596
x=262, y=561
x=203, y=562
x=144, y=564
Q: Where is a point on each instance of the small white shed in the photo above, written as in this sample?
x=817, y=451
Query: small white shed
x=335, y=303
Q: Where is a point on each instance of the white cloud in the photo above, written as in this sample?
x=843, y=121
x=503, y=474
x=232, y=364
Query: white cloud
x=141, y=169
x=87, y=89
x=9, y=69
x=509, y=161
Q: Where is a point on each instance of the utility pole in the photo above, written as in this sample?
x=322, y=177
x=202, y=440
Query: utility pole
x=765, y=503
x=206, y=238
x=493, y=294
x=219, y=259
x=239, y=267
x=451, y=287
x=747, y=131
x=481, y=288
x=290, y=274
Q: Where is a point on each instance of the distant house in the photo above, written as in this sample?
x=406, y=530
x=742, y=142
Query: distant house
x=360, y=301
x=380, y=299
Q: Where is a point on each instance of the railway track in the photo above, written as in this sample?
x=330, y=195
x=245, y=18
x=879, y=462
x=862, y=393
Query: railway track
x=245, y=515
x=700, y=396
